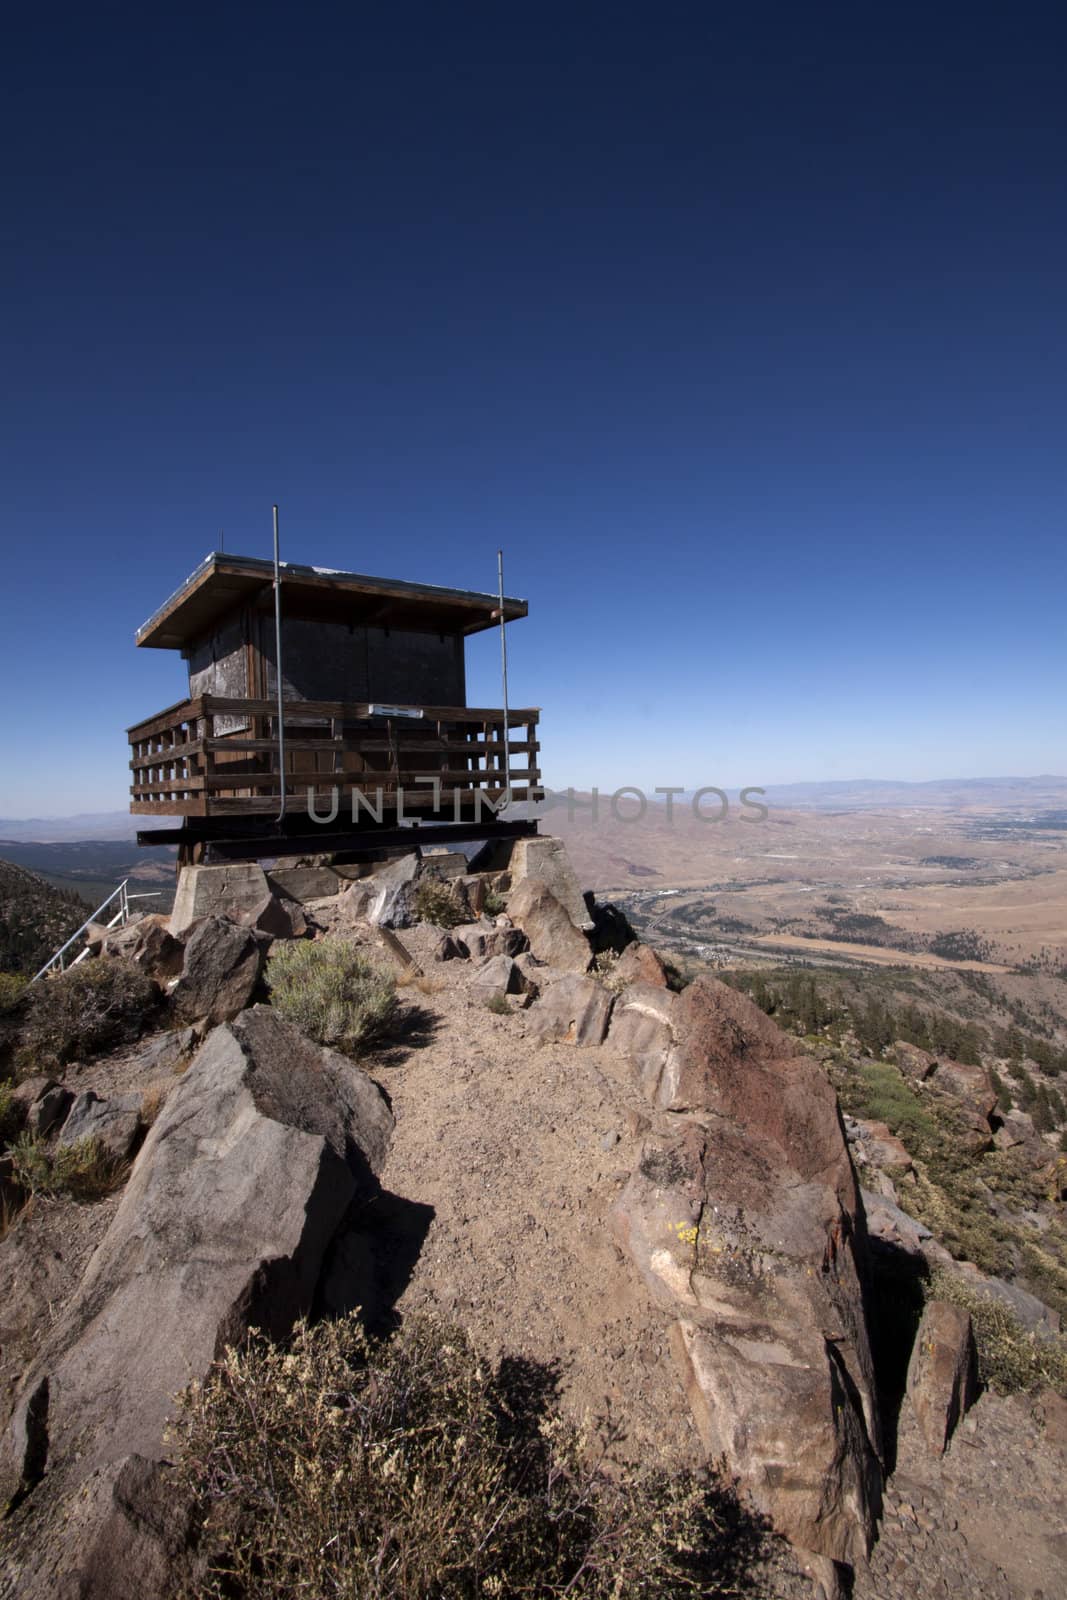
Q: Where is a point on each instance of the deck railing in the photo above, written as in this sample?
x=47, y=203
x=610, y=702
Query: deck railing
x=216, y=757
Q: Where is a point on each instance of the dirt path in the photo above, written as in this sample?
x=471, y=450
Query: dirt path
x=518, y=1149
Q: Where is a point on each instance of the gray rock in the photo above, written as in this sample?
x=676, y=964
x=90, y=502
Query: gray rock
x=47, y=1112
x=392, y=906
x=575, y=1010
x=401, y=869
x=449, y=949
x=481, y=940
x=943, y=1372
x=544, y=859
x=1033, y=1313
x=642, y=1028
x=149, y=944
x=222, y=967
x=212, y=891
x=257, y=1154
x=167, y=1051
x=278, y=917
x=554, y=938
x=304, y=883
x=500, y=975
x=888, y=1225
x=116, y=1122
x=444, y=864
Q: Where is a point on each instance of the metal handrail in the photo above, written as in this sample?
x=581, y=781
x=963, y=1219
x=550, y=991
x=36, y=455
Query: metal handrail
x=119, y=920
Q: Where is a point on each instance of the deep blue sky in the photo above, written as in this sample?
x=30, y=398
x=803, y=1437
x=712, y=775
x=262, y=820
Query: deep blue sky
x=743, y=328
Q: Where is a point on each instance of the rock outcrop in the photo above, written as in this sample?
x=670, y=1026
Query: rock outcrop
x=220, y=973
x=943, y=1372
x=744, y=1218
x=115, y=1123
x=552, y=933
x=257, y=1154
x=574, y=1010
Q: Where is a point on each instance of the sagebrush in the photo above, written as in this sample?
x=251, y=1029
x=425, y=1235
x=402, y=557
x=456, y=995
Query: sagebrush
x=1011, y=1359
x=411, y=1470
x=433, y=902
x=89, y=1008
x=84, y=1170
x=332, y=993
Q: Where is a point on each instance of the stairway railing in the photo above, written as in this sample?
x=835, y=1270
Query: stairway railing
x=118, y=919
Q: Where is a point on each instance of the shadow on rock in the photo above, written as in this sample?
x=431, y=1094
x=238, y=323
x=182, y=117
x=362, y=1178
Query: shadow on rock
x=372, y=1257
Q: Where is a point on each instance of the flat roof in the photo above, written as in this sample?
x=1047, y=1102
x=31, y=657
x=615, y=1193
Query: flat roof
x=222, y=584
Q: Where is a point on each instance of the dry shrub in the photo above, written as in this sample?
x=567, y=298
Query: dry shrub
x=412, y=978
x=409, y=1470
x=12, y=991
x=152, y=1101
x=85, y=1170
x=10, y=1117
x=1011, y=1359
x=433, y=902
x=89, y=1008
x=332, y=993
x=498, y=1005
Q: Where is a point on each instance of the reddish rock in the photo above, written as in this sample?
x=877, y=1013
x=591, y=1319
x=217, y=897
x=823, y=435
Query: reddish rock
x=882, y=1148
x=942, y=1374
x=640, y=964
x=745, y=1221
x=552, y=934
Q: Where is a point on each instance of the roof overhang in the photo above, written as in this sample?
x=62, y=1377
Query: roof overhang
x=223, y=584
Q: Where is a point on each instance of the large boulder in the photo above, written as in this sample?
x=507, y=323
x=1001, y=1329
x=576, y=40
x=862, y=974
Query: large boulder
x=544, y=860
x=260, y=1149
x=639, y=963
x=744, y=1219
x=115, y=1123
x=482, y=940
x=275, y=916
x=213, y=891
x=943, y=1372
x=554, y=938
x=495, y=978
x=573, y=1011
x=304, y=882
x=221, y=970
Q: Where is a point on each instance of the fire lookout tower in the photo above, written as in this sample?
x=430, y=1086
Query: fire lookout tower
x=365, y=739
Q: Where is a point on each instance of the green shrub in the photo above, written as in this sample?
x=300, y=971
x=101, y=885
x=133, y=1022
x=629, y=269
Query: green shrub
x=85, y=1170
x=9, y=1118
x=494, y=903
x=12, y=990
x=89, y=1008
x=1010, y=1358
x=880, y=1093
x=410, y=1470
x=433, y=902
x=332, y=993
x=498, y=1005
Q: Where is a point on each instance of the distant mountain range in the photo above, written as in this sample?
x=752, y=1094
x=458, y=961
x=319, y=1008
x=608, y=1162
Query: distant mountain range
x=842, y=794
x=943, y=794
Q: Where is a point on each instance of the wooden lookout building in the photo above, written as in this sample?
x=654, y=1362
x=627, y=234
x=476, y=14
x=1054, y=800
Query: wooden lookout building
x=374, y=714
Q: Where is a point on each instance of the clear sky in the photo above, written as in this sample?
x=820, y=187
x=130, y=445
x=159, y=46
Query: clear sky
x=742, y=328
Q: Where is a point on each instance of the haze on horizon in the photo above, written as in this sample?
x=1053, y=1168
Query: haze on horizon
x=743, y=334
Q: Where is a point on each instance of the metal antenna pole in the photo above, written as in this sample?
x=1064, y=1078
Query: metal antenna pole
x=504, y=671
x=278, y=668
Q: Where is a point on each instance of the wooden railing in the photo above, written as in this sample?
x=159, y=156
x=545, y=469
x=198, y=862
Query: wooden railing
x=216, y=757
